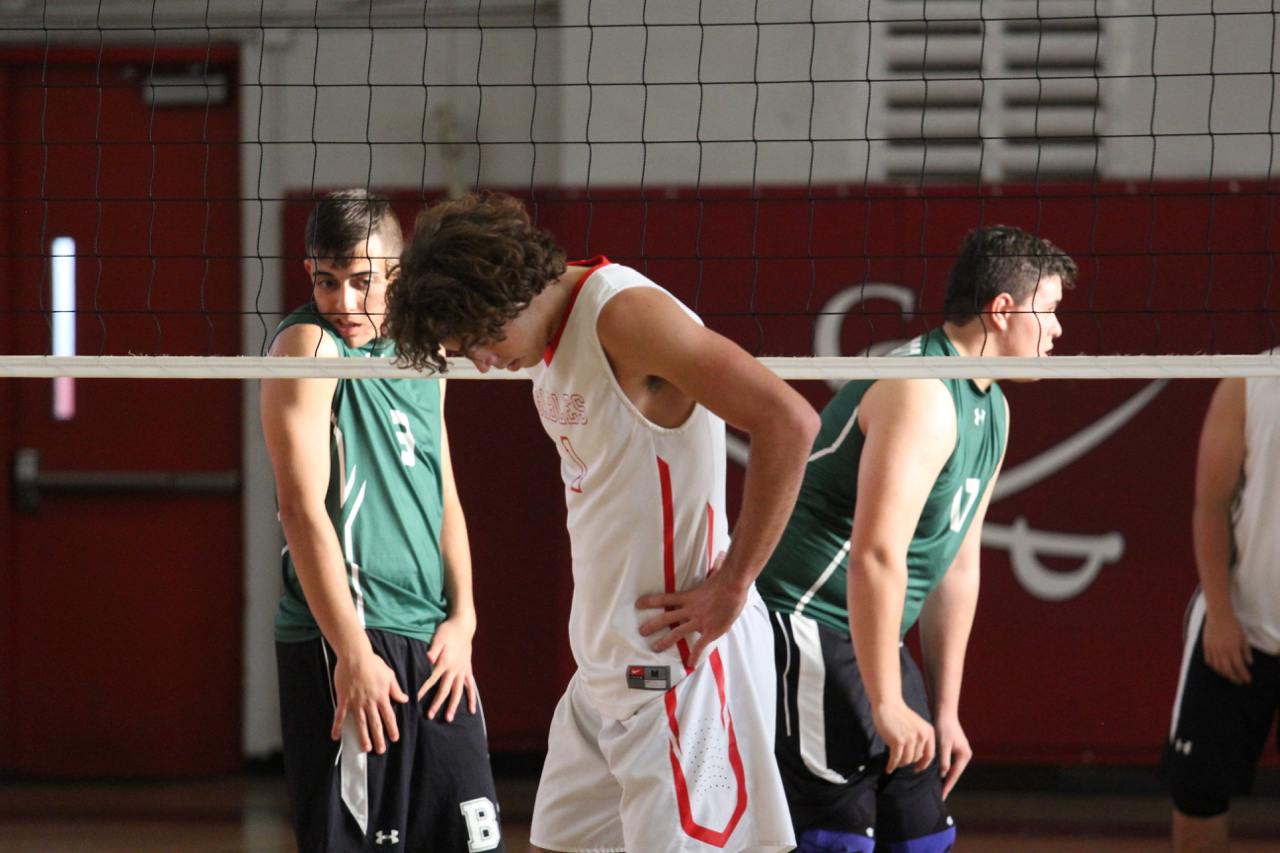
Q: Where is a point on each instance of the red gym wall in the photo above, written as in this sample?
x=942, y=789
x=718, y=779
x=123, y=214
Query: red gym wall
x=1075, y=651
x=120, y=615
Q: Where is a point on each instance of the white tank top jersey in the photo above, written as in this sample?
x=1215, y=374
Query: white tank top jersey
x=1255, y=588
x=646, y=504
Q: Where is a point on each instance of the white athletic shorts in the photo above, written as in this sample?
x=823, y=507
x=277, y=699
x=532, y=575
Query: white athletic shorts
x=692, y=770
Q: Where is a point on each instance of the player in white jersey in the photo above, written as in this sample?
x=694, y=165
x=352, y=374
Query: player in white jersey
x=1229, y=690
x=663, y=740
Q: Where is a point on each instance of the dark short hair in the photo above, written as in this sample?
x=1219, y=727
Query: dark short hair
x=344, y=219
x=1000, y=259
x=471, y=266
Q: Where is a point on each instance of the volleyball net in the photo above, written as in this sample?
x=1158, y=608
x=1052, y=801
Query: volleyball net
x=800, y=174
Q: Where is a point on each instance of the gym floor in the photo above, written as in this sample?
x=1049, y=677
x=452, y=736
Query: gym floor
x=1001, y=813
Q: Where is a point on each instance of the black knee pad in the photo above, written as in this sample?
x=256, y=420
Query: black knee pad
x=1197, y=802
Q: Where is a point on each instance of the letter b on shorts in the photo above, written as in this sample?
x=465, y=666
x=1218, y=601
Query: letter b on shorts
x=482, y=824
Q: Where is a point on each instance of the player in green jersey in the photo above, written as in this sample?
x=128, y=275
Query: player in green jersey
x=373, y=634
x=887, y=530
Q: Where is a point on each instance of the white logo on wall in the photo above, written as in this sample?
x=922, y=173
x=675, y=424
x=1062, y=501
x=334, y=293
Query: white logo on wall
x=1024, y=543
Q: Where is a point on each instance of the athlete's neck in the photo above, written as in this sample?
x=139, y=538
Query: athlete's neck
x=973, y=339
x=553, y=302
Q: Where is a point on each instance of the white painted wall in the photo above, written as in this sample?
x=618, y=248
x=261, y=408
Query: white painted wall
x=395, y=93
x=683, y=93
x=1165, y=105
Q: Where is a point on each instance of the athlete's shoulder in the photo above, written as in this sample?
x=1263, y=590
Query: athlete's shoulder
x=630, y=292
x=305, y=333
x=304, y=340
x=610, y=279
x=615, y=273
x=305, y=315
x=933, y=342
x=926, y=397
x=921, y=408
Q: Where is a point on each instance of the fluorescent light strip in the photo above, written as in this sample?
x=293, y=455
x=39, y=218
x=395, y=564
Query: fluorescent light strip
x=64, y=323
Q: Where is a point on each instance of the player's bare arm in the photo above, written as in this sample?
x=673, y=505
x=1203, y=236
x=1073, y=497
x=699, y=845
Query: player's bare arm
x=646, y=334
x=910, y=429
x=295, y=423
x=450, y=651
x=1218, y=468
x=945, y=622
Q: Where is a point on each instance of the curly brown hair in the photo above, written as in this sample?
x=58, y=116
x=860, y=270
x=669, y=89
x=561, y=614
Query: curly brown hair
x=472, y=265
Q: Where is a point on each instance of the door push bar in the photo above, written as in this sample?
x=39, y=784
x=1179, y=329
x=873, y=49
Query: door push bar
x=29, y=482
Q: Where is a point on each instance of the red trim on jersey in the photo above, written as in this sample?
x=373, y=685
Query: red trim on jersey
x=593, y=264
x=711, y=537
x=668, y=527
x=669, y=547
x=691, y=827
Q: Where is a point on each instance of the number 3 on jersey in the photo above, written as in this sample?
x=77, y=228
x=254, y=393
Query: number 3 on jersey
x=404, y=435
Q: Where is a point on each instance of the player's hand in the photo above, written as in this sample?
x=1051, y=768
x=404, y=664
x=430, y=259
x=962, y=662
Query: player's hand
x=450, y=656
x=1226, y=648
x=366, y=687
x=954, y=752
x=708, y=610
x=909, y=736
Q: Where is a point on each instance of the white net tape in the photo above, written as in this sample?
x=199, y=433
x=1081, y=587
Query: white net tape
x=883, y=367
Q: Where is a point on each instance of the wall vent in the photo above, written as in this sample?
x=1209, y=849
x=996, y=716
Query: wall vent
x=985, y=90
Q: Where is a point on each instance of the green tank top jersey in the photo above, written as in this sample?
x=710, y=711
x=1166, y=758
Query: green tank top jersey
x=385, y=500
x=807, y=573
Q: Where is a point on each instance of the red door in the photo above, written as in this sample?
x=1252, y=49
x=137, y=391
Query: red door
x=120, y=594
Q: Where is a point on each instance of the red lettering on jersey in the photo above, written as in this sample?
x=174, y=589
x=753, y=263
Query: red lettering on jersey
x=575, y=409
x=565, y=409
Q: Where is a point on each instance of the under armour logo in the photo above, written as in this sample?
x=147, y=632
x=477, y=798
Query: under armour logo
x=979, y=415
x=392, y=837
x=1183, y=746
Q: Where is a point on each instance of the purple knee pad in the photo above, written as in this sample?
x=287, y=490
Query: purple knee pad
x=830, y=841
x=939, y=842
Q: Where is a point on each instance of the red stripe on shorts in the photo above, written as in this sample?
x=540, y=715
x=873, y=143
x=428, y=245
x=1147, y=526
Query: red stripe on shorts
x=691, y=827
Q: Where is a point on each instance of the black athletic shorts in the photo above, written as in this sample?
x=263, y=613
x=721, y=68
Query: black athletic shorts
x=831, y=759
x=431, y=790
x=1219, y=729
